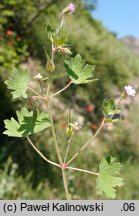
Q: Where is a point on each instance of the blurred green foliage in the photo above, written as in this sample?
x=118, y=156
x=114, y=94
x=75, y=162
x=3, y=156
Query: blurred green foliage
x=24, y=175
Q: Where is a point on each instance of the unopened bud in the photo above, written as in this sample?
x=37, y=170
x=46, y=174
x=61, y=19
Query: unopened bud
x=38, y=76
x=69, y=9
x=69, y=131
x=64, y=50
x=50, y=66
x=109, y=126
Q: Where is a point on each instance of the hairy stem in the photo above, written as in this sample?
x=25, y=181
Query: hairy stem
x=41, y=155
x=48, y=86
x=68, y=147
x=87, y=143
x=56, y=146
x=66, y=154
x=54, y=134
x=82, y=170
x=59, y=26
x=35, y=92
x=62, y=89
x=65, y=182
x=118, y=104
x=41, y=87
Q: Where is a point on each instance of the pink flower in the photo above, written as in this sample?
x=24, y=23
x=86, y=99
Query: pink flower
x=71, y=7
x=129, y=90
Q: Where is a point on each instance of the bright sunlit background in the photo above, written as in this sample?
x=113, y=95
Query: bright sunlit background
x=120, y=16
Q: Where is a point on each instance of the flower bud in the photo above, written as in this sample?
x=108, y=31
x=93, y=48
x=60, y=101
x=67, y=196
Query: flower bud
x=69, y=9
x=64, y=50
x=109, y=126
x=50, y=66
x=69, y=131
x=38, y=76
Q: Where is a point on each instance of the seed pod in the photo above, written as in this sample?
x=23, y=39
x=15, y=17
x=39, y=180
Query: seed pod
x=50, y=66
x=69, y=131
x=64, y=50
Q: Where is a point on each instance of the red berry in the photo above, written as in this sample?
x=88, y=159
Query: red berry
x=63, y=125
x=88, y=108
x=9, y=32
x=93, y=126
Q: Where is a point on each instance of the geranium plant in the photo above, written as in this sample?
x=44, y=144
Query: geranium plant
x=30, y=122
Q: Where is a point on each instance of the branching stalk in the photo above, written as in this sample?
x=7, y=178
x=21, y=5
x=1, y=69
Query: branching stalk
x=54, y=134
x=82, y=170
x=118, y=104
x=41, y=87
x=68, y=147
x=48, y=86
x=41, y=155
x=88, y=142
x=35, y=92
x=62, y=89
x=65, y=182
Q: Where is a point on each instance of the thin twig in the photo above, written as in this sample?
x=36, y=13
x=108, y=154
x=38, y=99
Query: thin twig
x=41, y=155
x=62, y=89
x=39, y=97
x=82, y=170
x=41, y=87
x=66, y=154
x=65, y=182
x=48, y=86
x=54, y=133
x=118, y=104
x=88, y=142
x=34, y=91
x=68, y=147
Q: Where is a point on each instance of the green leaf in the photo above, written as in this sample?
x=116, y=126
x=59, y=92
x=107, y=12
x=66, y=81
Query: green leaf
x=112, y=114
x=107, y=179
x=18, y=82
x=78, y=71
x=60, y=40
x=28, y=123
x=108, y=106
x=115, y=116
x=51, y=32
